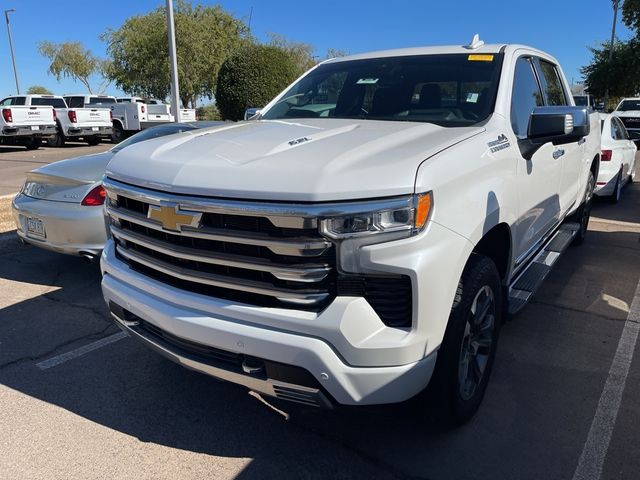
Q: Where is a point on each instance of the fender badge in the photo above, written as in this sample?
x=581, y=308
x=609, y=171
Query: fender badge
x=500, y=144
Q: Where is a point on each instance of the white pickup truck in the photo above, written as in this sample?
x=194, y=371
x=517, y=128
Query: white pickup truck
x=21, y=124
x=71, y=123
x=160, y=112
x=127, y=118
x=365, y=235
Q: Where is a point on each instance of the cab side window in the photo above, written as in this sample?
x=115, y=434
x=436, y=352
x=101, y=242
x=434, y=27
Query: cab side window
x=6, y=102
x=551, y=85
x=526, y=96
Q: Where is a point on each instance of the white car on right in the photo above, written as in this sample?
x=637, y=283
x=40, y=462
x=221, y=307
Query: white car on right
x=617, y=159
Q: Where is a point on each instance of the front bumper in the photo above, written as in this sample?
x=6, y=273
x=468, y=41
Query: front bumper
x=69, y=228
x=27, y=131
x=346, y=348
x=88, y=131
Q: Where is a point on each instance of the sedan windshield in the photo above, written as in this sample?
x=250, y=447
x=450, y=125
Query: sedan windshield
x=628, y=105
x=448, y=90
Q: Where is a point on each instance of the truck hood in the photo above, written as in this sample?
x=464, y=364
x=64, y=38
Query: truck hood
x=298, y=160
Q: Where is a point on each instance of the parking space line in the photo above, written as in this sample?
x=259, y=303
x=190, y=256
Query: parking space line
x=595, y=448
x=78, y=352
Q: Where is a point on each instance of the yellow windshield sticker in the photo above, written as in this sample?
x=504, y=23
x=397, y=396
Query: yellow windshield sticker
x=480, y=58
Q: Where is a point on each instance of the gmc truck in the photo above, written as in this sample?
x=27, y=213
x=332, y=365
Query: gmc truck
x=21, y=124
x=362, y=239
x=127, y=119
x=73, y=123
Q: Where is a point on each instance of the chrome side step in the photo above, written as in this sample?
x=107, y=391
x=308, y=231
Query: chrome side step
x=525, y=285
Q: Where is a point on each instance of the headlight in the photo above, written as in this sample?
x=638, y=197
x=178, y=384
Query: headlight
x=409, y=214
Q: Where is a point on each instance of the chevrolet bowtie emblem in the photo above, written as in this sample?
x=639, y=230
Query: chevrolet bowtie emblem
x=172, y=218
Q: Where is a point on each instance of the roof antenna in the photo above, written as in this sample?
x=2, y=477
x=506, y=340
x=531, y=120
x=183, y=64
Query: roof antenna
x=475, y=43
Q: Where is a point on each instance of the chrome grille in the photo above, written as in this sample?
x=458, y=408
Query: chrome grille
x=252, y=252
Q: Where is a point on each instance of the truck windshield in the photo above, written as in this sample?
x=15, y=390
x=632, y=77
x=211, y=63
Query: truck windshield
x=448, y=90
x=628, y=105
x=54, y=102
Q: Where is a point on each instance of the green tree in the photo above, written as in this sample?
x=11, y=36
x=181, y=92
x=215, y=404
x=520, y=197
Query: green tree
x=631, y=14
x=251, y=77
x=622, y=74
x=72, y=60
x=208, y=112
x=205, y=37
x=38, y=90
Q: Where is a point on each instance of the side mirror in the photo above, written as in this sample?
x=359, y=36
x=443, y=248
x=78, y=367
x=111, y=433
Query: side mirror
x=249, y=113
x=561, y=124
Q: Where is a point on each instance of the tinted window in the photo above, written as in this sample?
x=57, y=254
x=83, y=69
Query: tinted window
x=97, y=100
x=551, y=84
x=18, y=100
x=581, y=100
x=75, y=102
x=54, y=102
x=154, y=132
x=627, y=105
x=618, y=132
x=525, y=97
x=448, y=90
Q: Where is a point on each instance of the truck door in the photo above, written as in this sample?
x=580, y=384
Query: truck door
x=569, y=155
x=538, y=178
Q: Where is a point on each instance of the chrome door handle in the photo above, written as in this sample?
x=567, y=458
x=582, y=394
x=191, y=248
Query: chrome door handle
x=558, y=153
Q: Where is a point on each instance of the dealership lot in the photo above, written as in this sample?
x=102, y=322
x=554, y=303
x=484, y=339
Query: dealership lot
x=78, y=400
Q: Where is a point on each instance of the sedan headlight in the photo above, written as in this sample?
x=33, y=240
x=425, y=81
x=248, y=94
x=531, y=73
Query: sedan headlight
x=407, y=215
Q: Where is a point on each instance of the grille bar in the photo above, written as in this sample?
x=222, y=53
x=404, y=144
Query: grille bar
x=300, y=273
x=287, y=295
x=289, y=246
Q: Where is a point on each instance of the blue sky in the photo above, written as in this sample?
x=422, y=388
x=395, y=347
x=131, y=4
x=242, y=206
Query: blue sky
x=564, y=29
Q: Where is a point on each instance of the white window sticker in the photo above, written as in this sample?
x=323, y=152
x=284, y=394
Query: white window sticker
x=367, y=81
x=472, y=97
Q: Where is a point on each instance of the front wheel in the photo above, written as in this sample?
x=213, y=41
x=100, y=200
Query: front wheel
x=583, y=213
x=465, y=358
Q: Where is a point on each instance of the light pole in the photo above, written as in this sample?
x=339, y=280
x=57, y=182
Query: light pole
x=13, y=57
x=173, y=63
x=613, y=35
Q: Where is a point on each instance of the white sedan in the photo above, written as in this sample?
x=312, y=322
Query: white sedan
x=617, y=159
x=60, y=205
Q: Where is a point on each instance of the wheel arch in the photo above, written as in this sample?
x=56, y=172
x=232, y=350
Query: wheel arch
x=497, y=244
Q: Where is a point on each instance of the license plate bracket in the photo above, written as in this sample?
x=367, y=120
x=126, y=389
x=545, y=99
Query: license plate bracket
x=35, y=227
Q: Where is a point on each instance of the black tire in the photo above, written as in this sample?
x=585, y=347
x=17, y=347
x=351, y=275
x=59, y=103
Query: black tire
x=456, y=392
x=617, y=189
x=583, y=213
x=58, y=140
x=117, y=134
x=33, y=143
x=93, y=141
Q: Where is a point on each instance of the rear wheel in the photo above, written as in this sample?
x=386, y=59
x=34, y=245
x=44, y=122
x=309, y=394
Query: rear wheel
x=617, y=189
x=93, y=141
x=58, y=140
x=465, y=359
x=33, y=143
x=117, y=134
x=583, y=213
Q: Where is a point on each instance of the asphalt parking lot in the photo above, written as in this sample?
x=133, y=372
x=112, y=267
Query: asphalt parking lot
x=79, y=401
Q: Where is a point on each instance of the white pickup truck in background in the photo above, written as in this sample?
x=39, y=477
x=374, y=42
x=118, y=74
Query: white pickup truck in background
x=159, y=111
x=21, y=124
x=628, y=110
x=88, y=124
x=127, y=118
